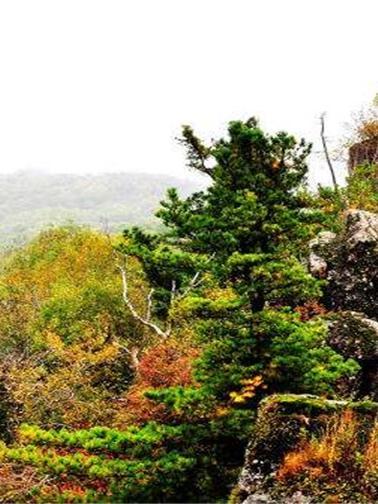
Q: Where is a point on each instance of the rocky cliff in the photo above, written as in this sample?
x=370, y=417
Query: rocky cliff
x=349, y=263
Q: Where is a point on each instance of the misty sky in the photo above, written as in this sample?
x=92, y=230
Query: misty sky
x=89, y=86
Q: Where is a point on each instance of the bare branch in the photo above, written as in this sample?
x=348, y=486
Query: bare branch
x=134, y=355
x=173, y=291
x=149, y=304
x=175, y=295
x=195, y=281
x=135, y=314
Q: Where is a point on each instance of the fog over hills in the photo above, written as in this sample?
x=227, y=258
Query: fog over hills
x=31, y=201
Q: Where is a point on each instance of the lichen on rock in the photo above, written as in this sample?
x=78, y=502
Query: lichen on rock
x=349, y=263
x=353, y=335
x=318, y=246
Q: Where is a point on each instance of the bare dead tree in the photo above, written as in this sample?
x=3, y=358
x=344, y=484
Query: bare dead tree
x=146, y=320
x=162, y=333
x=326, y=153
x=133, y=353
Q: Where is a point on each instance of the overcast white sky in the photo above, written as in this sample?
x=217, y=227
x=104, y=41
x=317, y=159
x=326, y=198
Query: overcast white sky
x=104, y=85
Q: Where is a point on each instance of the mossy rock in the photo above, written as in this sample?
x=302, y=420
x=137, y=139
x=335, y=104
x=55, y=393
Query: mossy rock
x=283, y=421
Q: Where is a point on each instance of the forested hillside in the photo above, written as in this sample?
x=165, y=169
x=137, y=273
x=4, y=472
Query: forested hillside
x=30, y=201
x=217, y=358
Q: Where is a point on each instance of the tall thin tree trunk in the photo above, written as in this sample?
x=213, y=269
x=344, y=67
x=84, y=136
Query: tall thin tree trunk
x=325, y=148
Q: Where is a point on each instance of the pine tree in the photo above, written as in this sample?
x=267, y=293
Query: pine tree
x=247, y=231
x=242, y=240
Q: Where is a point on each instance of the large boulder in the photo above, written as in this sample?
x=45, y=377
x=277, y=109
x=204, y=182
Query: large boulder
x=319, y=252
x=282, y=422
x=349, y=263
x=353, y=335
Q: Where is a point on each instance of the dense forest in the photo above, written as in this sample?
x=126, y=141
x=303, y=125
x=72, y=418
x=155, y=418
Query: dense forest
x=30, y=201
x=228, y=355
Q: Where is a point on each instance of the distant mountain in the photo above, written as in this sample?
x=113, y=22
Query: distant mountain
x=32, y=201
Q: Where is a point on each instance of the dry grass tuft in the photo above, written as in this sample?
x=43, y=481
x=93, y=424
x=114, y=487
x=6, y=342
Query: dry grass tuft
x=341, y=454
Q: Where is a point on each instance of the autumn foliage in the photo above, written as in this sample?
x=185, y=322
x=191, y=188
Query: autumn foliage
x=167, y=364
x=132, y=367
x=343, y=453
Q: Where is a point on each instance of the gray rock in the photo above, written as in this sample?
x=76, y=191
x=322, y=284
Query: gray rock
x=349, y=263
x=361, y=227
x=317, y=263
x=258, y=498
x=353, y=335
x=265, y=498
